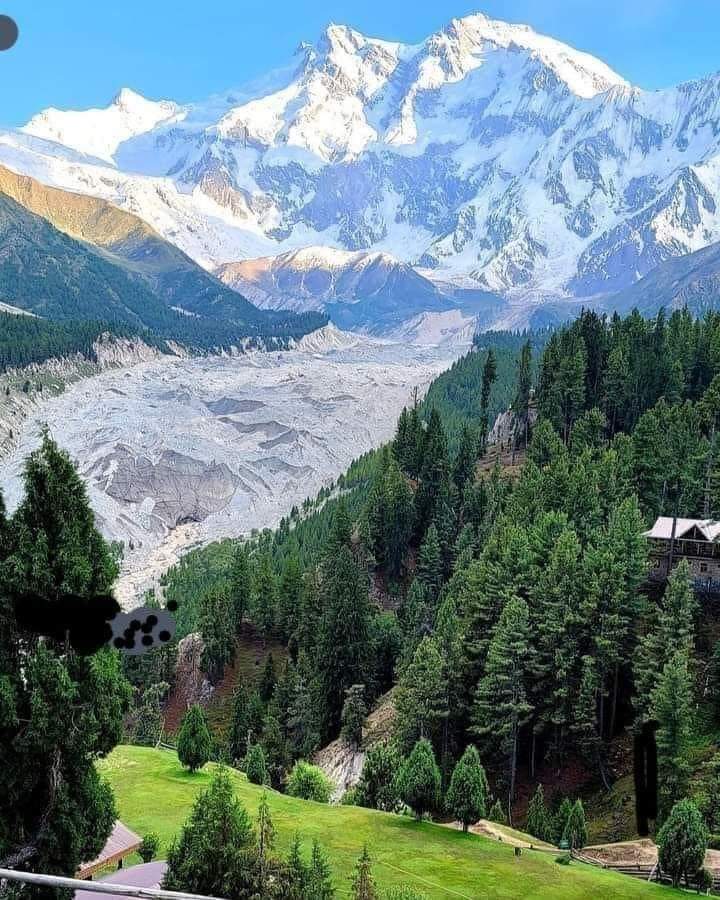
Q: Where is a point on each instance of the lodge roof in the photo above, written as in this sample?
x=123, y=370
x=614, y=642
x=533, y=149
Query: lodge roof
x=690, y=529
x=121, y=843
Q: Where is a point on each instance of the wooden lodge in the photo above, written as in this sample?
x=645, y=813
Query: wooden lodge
x=695, y=540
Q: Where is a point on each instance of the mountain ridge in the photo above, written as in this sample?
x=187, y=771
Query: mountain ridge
x=487, y=153
x=70, y=256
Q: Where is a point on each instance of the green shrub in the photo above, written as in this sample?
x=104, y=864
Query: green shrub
x=350, y=797
x=714, y=842
x=704, y=879
x=309, y=783
x=404, y=892
x=149, y=847
x=563, y=859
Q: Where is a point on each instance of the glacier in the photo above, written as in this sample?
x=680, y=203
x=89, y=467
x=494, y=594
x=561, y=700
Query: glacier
x=176, y=452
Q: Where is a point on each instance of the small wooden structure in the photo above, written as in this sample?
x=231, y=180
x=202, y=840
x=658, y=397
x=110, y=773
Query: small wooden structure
x=695, y=540
x=121, y=843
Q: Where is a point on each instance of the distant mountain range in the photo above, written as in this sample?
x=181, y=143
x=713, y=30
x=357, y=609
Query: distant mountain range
x=67, y=256
x=488, y=158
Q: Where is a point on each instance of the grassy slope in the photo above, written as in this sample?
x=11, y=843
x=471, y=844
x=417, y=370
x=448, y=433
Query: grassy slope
x=155, y=794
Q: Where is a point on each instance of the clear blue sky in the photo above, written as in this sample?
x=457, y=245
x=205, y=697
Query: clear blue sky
x=78, y=53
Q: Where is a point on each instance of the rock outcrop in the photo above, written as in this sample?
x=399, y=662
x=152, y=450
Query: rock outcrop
x=342, y=762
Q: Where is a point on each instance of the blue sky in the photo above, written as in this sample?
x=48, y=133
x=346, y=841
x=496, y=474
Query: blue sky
x=78, y=53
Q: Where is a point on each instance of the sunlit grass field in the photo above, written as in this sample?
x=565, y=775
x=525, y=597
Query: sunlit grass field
x=154, y=793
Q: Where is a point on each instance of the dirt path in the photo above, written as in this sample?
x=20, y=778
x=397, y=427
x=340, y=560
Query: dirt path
x=638, y=853
x=506, y=835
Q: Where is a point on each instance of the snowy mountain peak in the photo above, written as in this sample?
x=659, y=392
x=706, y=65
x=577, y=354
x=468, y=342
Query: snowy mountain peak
x=99, y=132
x=488, y=153
x=584, y=75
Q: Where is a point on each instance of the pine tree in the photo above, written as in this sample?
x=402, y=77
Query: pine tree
x=468, y=793
x=561, y=818
x=671, y=705
x=354, y=713
x=445, y=521
x=585, y=725
x=554, y=599
x=466, y=459
x=521, y=403
x=148, y=718
x=61, y=711
x=302, y=724
x=320, y=886
x=241, y=585
x=392, y=513
x=489, y=375
x=538, y=818
x=403, y=446
x=421, y=697
x=614, y=569
x=256, y=715
x=265, y=837
x=340, y=531
x=268, y=679
x=218, y=639
x=434, y=468
x=290, y=596
x=239, y=725
x=682, y=842
x=448, y=639
x=617, y=385
x=256, y=765
x=265, y=595
x=363, y=884
x=416, y=615
x=344, y=649
x=501, y=702
x=504, y=566
x=670, y=631
x=420, y=779
x=429, y=571
x=277, y=752
x=497, y=813
x=575, y=831
x=298, y=874
x=378, y=787
x=218, y=828
x=194, y=742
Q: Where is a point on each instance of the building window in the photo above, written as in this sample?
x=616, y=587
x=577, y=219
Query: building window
x=703, y=568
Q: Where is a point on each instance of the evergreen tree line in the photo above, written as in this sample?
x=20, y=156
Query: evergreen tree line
x=27, y=340
x=511, y=614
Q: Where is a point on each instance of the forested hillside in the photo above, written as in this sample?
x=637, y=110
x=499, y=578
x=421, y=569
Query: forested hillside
x=25, y=340
x=512, y=615
x=51, y=274
x=510, y=612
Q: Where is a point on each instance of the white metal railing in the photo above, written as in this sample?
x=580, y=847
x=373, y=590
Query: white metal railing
x=100, y=887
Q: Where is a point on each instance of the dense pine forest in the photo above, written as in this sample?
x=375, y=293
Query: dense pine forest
x=510, y=613
x=502, y=612
x=27, y=340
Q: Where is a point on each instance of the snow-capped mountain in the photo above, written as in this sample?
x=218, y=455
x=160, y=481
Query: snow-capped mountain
x=487, y=154
x=369, y=291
